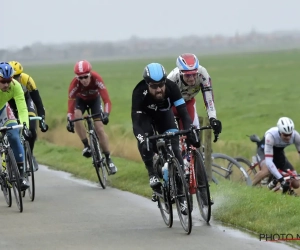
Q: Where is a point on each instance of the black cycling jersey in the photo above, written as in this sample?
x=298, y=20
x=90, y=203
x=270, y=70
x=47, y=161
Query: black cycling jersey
x=159, y=111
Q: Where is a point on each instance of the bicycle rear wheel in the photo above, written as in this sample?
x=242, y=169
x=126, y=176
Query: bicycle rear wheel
x=14, y=178
x=98, y=160
x=202, y=192
x=181, y=195
x=6, y=189
x=28, y=171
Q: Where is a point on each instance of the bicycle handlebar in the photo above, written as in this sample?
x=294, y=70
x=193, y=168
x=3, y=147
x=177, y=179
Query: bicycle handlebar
x=5, y=128
x=86, y=117
x=168, y=135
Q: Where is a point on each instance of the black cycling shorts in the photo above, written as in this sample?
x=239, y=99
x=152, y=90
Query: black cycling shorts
x=94, y=105
x=279, y=159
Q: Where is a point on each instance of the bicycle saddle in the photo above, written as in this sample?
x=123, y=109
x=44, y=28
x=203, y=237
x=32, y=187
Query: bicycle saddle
x=254, y=138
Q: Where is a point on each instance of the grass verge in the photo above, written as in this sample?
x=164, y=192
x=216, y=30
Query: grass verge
x=238, y=205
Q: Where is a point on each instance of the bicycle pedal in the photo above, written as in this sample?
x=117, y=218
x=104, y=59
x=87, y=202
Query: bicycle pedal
x=154, y=198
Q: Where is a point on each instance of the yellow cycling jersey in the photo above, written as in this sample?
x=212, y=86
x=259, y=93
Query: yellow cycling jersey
x=15, y=91
x=27, y=82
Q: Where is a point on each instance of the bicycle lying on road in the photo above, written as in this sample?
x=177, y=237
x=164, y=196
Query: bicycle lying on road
x=98, y=158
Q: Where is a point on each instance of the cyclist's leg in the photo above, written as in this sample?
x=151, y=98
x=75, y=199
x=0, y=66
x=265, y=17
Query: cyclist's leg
x=96, y=107
x=80, y=108
x=32, y=123
x=7, y=117
x=264, y=172
x=147, y=156
x=192, y=110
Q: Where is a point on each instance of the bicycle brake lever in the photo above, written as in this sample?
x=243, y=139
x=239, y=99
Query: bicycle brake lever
x=216, y=137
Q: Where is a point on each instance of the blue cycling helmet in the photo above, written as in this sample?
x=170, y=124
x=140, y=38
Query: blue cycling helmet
x=154, y=72
x=6, y=71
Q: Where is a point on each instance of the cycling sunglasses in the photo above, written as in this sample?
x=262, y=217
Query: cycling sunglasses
x=4, y=81
x=286, y=135
x=156, y=85
x=188, y=73
x=83, y=77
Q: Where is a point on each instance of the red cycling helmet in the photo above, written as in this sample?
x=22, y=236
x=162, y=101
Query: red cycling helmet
x=82, y=68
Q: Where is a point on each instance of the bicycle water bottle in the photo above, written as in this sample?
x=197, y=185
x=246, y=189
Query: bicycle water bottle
x=165, y=172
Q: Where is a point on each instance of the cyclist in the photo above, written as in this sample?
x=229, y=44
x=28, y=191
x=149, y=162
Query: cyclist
x=191, y=77
x=272, y=156
x=86, y=90
x=10, y=88
x=152, y=99
x=32, y=97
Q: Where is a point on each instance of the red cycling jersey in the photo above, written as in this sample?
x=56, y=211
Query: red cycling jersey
x=90, y=92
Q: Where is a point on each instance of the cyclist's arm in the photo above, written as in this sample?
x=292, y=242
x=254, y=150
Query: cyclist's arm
x=180, y=105
x=103, y=92
x=297, y=141
x=207, y=93
x=268, y=150
x=19, y=97
x=37, y=100
x=137, y=116
x=34, y=93
x=73, y=90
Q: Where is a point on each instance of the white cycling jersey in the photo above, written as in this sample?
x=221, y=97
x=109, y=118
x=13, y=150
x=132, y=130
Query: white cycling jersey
x=203, y=81
x=273, y=140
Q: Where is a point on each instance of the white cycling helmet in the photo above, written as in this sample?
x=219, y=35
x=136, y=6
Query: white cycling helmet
x=285, y=125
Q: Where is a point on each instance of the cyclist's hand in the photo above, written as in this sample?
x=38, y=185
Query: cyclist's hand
x=104, y=118
x=285, y=186
x=216, y=125
x=193, y=139
x=43, y=126
x=70, y=126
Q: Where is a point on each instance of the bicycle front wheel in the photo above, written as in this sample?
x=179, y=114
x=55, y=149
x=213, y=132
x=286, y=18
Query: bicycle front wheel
x=6, y=189
x=98, y=160
x=165, y=205
x=202, y=192
x=163, y=197
x=235, y=170
x=28, y=171
x=14, y=178
x=181, y=195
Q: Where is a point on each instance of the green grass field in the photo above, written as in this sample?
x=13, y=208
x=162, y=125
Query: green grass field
x=251, y=92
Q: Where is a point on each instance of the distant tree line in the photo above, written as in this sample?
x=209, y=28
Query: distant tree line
x=138, y=47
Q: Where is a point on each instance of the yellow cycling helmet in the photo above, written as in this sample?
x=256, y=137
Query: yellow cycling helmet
x=18, y=68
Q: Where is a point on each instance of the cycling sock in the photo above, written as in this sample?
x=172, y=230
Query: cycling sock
x=85, y=142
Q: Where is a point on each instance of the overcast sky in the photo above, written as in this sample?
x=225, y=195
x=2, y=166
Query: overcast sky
x=24, y=22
